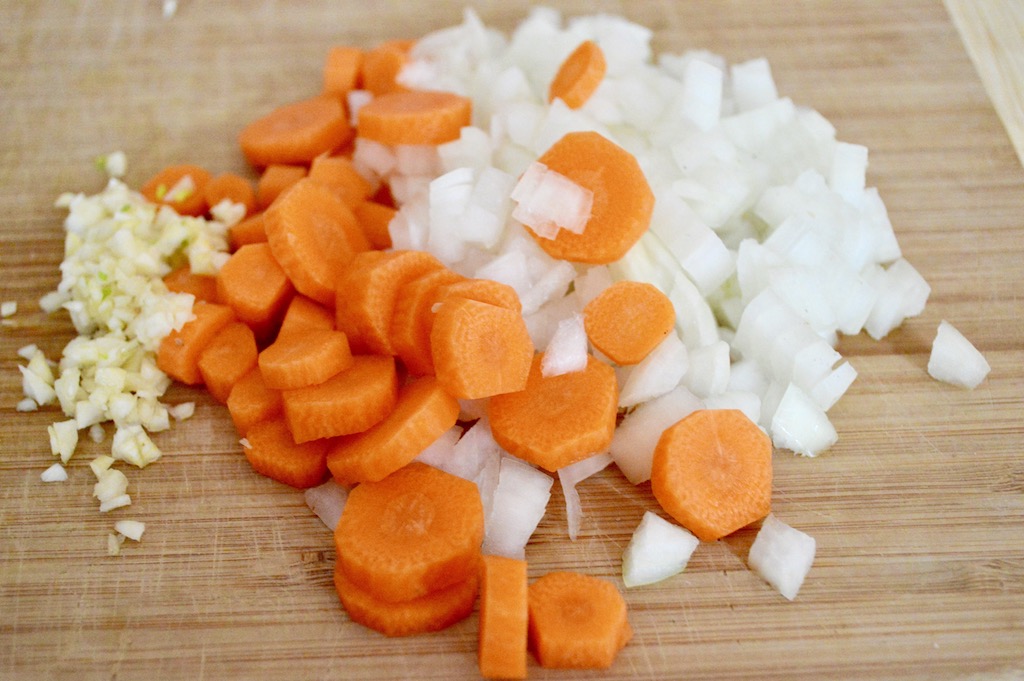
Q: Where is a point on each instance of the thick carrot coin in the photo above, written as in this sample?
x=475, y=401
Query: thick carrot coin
x=272, y=452
x=483, y=290
x=504, y=610
x=179, y=351
x=296, y=133
x=275, y=180
x=410, y=534
x=253, y=283
x=298, y=360
x=341, y=70
x=339, y=174
x=249, y=231
x=557, y=420
x=251, y=401
x=423, y=413
x=180, y=187
x=375, y=218
x=349, y=402
x=381, y=65
x=304, y=314
x=232, y=187
x=202, y=286
x=623, y=200
x=576, y=621
x=712, y=472
x=579, y=75
x=628, y=320
x=413, y=319
x=227, y=358
x=415, y=117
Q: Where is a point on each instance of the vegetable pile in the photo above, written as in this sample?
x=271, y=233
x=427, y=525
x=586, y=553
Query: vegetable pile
x=469, y=264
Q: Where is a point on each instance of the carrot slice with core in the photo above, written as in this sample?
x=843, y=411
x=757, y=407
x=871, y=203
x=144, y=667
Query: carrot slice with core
x=253, y=283
x=413, y=318
x=627, y=320
x=375, y=218
x=275, y=180
x=340, y=175
x=249, y=231
x=296, y=132
x=298, y=360
x=382, y=64
x=179, y=351
x=579, y=75
x=415, y=117
x=504, y=611
x=272, y=452
x=227, y=358
x=304, y=314
x=251, y=401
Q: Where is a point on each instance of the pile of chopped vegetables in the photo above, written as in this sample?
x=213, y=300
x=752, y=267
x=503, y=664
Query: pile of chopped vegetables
x=469, y=265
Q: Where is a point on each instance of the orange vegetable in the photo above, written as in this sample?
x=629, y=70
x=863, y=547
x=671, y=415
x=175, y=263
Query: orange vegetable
x=296, y=133
x=165, y=188
x=557, y=420
x=628, y=320
x=304, y=314
x=254, y=285
x=579, y=75
x=178, y=354
x=251, y=401
x=423, y=413
x=484, y=290
x=339, y=175
x=381, y=66
x=479, y=349
x=415, y=117
x=229, y=356
x=374, y=218
x=272, y=452
x=623, y=200
x=414, y=532
x=504, y=612
x=414, y=317
x=314, y=236
x=349, y=402
x=712, y=472
x=297, y=360
x=230, y=186
x=249, y=231
x=576, y=621
x=202, y=286
x=341, y=70
x=274, y=180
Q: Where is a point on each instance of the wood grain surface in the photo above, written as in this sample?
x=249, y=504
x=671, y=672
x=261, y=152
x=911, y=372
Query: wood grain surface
x=918, y=511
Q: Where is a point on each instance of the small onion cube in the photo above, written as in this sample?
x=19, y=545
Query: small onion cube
x=567, y=350
x=55, y=473
x=520, y=499
x=782, y=555
x=572, y=475
x=955, y=360
x=657, y=550
x=327, y=501
x=547, y=201
x=800, y=425
x=657, y=374
x=634, y=440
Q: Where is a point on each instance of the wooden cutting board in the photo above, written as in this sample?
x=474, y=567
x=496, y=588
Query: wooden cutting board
x=918, y=511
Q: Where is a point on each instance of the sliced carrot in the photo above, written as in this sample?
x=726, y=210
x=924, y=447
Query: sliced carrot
x=251, y=401
x=375, y=218
x=576, y=621
x=627, y=320
x=484, y=290
x=432, y=612
x=712, y=472
x=413, y=318
x=202, y=286
x=180, y=187
x=340, y=175
x=227, y=358
x=178, y=354
x=272, y=452
x=504, y=609
x=623, y=200
x=298, y=360
x=304, y=314
x=412, y=533
x=415, y=117
x=557, y=420
x=423, y=413
x=367, y=291
x=382, y=64
x=341, y=70
x=296, y=133
x=232, y=187
x=274, y=180
x=579, y=75
x=349, y=402
x=254, y=285
x=251, y=230
x=480, y=350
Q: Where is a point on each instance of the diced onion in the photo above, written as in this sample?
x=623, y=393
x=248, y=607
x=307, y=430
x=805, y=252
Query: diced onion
x=657, y=550
x=955, y=360
x=782, y=555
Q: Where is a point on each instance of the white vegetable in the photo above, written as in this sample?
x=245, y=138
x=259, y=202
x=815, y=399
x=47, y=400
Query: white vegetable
x=132, y=529
x=101, y=464
x=657, y=374
x=547, y=201
x=132, y=444
x=570, y=476
x=567, y=350
x=115, y=502
x=633, y=443
x=782, y=555
x=708, y=372
x=26, y=404
x=114, y=542
x=955, y=360
x=657, y=550
x=63, y=439
x=327, y=501
x=520, y=499
x=800, y=425
x=55, y=473
x=8, y=308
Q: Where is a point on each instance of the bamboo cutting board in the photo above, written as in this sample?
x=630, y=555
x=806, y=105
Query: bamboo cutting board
x=918, y=511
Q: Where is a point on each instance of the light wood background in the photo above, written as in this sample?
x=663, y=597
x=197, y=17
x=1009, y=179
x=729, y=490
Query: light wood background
x=918, y=510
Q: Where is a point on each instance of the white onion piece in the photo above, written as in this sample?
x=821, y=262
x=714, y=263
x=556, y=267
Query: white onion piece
x=830, y=388
x=633, y=443
x=657, y=374
x=132, y=529
x=441, y=452
x=800, y=425
x=55, y=473
x=477, y=457
x=372, y=159
x=591, y=283
x=708, y=372
x=700, y=252
x=327, y=501
x=552, y=284
x=566, y=352
x=657, y=550
x=356, y=100
x=782, y=555
x=701, y=98
x=543, y=323
x=547, y=201
x=417, y=159
x=752, y=84
x=902, y=293
x=955, y=360
x=849, y=167
x=520, y=499
x=747, y=402
x=570, y=476
x=511, y=269
x=471, y=150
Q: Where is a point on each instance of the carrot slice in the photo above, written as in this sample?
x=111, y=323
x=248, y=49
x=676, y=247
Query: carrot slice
x=249, y=231
x=432, y=612
x=272, y=452
x=374, y=218
x=627, y=320
x=349, y=402
x=423, y=413
x=274, y=180
x=304, y=314
x=712, y=472
x=504, y=612
x=202, y=286
x=180, y=187
x=415, y=117
x=297, y=360
x=296, y=132
x=251, y=401
x=341, y=70
x=178, y=354
x=557, y=420
x=623, y=200
x=479, y=349
x=254, y=285
x=483, y=290
x=314, y=236
x=367, y=291
x=412, y=533
x=579, y=75
x=576, y=621
x=382, y=64
x=232, y=187
x=227, y=358
x=340, y=175
x=413, y=319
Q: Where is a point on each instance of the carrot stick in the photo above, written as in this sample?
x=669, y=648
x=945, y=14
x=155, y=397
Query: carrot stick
x=340, y=176
x=480, y=350
x=180, y=187
x=341, y=70
x=414, y=532
x=374, y=218
x=503, y=618
x=227, y=358
x=178, y=354
x=314, y=236
x=578, y=76
x=623, y=200
x=627, y=320
x=423, y=413
x=251, y=230
x=296, y=132
x=251, y=401
x=349, y=402
x=202, y=286
x=254, y=285
x=557, y=420
x=272, y=452
x=382, y=64
x=274, y=180
x=298, y=360
x=712, y=472
x=415, y=117
x=413, y=318
x=232, y=187
x=576, y=621
x=304, y=314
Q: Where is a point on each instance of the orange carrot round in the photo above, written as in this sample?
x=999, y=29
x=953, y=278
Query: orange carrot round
x=274, y=180
x=579, y=75
x=375, y=218
x=232, y=187
x=179, y=351
x=170, y=188
x=272, y=452
x=341, y=70
x=627, y=320
x=504, y=608
x=298, y=360
x=251, y=230
x=296, y=132
x=340, y=176
x=251, y=401
x=202, y=286
x=415, y=117
x=229, y=356
x=413, y=318
x=253, y=283
x=304, y=314
x=381, y=65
